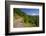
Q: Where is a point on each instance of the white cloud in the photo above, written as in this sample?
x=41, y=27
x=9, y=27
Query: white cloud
x=33, y=14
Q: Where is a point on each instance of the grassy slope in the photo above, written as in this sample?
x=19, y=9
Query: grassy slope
x=29, y=21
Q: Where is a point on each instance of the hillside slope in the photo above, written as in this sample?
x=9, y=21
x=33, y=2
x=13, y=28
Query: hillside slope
x=21, y=19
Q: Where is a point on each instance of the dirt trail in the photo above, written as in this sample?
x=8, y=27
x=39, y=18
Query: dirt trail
x=19, y=22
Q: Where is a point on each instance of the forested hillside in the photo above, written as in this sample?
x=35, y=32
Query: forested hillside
x=29, y=20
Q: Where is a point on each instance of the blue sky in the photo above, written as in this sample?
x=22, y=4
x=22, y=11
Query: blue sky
x=30, y=11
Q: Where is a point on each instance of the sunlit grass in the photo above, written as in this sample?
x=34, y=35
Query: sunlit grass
x=29, y=25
